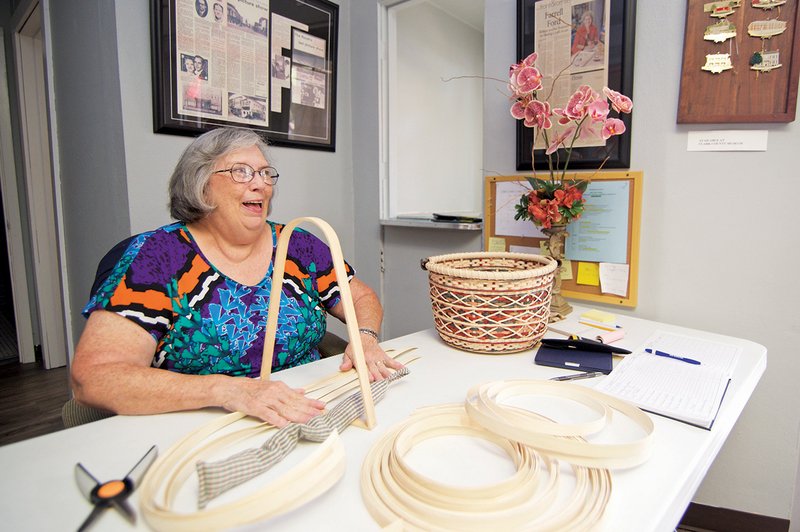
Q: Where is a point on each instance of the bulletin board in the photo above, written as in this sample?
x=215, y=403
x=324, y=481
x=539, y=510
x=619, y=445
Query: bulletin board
x=608, y=231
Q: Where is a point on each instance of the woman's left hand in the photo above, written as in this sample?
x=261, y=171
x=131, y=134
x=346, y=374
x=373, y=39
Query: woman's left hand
x=379, y=364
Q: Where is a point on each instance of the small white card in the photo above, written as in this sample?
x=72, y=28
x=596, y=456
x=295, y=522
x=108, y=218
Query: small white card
x=614, y=278
x=727, y=140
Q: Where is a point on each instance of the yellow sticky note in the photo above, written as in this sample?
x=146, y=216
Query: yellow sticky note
x=566, y=270
x=588, y=273
x=497, y=244
x=599, y=316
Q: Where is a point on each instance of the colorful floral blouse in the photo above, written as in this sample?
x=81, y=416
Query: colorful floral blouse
x=204, y=322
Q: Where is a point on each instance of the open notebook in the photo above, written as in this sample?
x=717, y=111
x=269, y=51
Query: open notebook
x=673, y=388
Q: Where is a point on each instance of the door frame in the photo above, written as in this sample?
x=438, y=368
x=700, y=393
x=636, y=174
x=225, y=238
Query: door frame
x=12, y=224
x=37, y=129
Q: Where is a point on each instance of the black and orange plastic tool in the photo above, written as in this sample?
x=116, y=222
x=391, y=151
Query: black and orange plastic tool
x=113, y=493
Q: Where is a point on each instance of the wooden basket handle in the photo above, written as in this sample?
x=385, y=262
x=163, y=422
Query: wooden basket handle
x=347, y=301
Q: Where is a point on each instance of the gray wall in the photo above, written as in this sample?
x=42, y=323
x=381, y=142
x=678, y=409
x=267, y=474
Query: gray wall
x=86, y=76
x=717, y=234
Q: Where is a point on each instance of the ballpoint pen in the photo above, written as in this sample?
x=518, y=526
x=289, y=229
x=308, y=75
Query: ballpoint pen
x=585, y=375
x=602, y=326
x=667, y=355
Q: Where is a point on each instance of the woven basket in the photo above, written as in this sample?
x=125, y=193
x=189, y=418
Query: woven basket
x=490, y=302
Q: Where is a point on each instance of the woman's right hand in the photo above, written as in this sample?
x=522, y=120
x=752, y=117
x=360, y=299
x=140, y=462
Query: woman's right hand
x=271, y=401
x=111, y=370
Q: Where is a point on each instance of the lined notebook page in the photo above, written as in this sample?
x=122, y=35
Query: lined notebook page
x=674, y=388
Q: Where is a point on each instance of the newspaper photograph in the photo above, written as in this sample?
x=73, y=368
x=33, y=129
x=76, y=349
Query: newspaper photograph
x=570, y=39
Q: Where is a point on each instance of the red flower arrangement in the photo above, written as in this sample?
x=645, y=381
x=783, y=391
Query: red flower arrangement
x=559, y=200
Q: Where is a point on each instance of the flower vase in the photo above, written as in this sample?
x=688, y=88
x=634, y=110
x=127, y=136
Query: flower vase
x=557, y=235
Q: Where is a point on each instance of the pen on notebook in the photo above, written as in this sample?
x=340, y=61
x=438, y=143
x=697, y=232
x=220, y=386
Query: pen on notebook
x=603, y=327
x=585, y=375
x=667, y=355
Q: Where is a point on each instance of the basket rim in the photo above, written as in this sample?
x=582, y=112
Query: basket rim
x=547, y=265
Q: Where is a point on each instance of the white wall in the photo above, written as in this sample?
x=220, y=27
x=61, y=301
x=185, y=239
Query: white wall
x=435, y=141
x=718, y=246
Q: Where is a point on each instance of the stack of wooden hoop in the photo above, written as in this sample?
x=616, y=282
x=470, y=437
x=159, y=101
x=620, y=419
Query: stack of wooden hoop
x=490, y=302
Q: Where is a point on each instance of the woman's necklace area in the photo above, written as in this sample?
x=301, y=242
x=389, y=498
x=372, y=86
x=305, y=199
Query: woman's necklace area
x=245, y=263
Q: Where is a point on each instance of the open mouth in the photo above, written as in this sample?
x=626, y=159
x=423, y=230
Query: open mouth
x=253, y=206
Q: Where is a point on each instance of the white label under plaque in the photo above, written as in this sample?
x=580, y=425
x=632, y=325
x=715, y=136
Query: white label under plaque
x=727, y=140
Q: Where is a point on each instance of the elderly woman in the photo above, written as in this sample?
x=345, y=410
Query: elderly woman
x=176, y=316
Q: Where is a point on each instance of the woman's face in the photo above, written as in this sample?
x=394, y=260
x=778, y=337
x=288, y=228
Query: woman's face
x=587, y=19
x=240, y=207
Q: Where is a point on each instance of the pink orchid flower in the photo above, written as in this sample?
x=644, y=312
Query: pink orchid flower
x=559, y=140
x=579, y=102
x=612, y=126
x=526, y=80
x=619, y=102
x=518, y=108
x=531, y=59
x=537, y=114
x=598, y=110
x=590, y=130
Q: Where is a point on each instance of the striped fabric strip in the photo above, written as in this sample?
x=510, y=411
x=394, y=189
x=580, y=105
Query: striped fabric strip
x=218, y=477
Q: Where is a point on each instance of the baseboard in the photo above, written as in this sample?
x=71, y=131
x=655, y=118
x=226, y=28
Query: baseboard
x=705, y=517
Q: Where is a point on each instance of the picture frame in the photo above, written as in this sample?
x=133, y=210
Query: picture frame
x=613, y=67
x=266, y=65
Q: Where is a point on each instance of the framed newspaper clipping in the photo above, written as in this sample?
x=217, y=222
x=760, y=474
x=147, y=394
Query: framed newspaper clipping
x=267, y=65
x=579, y=42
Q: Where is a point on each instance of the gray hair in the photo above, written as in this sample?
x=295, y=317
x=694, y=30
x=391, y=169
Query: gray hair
x=187, y=185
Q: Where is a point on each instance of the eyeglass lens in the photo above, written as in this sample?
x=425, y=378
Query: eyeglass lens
x=243, y=173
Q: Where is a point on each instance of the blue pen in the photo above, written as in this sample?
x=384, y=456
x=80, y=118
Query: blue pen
x=667, y=355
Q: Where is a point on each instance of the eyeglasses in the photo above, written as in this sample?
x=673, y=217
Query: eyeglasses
x=243, y=173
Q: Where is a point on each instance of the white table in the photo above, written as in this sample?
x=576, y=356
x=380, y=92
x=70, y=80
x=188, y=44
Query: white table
x=39, y=492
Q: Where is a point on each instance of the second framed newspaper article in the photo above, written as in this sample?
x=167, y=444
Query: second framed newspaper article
x=579, y=42
x=267, y=65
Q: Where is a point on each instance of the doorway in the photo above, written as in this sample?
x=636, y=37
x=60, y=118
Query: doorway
x=431, y=159
x=8, y=330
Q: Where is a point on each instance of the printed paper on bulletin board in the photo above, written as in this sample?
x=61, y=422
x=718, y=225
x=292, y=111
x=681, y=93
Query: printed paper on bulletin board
x=607, y=233
x=739, y=94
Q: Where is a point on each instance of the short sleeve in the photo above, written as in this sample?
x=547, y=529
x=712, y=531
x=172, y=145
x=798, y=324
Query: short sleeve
x=309, y=259
x=136, y=279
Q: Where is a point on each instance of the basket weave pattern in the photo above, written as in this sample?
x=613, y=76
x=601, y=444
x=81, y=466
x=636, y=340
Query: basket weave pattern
x=491, y=302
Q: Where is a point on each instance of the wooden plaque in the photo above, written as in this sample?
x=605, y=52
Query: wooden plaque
x=740, y=94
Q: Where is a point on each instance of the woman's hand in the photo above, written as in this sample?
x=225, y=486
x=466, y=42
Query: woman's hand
x=379, y=364
x=111, y=370
x=369, y=314
x=271, y=401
